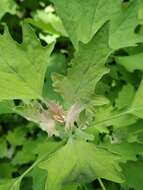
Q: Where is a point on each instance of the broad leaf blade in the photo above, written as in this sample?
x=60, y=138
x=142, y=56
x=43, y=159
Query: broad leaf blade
x=22, y=66
x=133, y=175
x=123, y=26
x=82, y=18
x=123, y=100
x=127, y=151
x=82, y=162
x=13, y=184
x=132, y=62
x=6, y=107
x=87, y=69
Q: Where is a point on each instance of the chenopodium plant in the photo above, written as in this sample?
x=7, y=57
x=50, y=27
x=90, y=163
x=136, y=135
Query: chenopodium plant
x=79, y=114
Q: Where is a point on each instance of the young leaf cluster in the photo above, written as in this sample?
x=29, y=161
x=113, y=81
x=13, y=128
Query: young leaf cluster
x=71, y=95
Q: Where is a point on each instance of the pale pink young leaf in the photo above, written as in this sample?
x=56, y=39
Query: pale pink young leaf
x=72, y=115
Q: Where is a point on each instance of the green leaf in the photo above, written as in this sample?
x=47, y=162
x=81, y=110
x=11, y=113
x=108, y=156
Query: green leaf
x=132, y=62
x=130, y=133
x=32, y=148
x=7, y=6
x=6, y=170
x=112, y=186
x=39, y=178
x=22, y=66
x=123, y=100
x=137, y=105
x=133, y=175
x=108, y=116
x=72, y=186
x=43, y=150
x=87, y=69
x=82, y=18
x=6, y=107
x=82, y=162
x=98, y=100
x=3, y=148
x=127, y=151
x=56, y=64
x=17, y=136
x=140, y=13
x=123, y=25
x=48, y=22
x=10, y=184
x=23, y=157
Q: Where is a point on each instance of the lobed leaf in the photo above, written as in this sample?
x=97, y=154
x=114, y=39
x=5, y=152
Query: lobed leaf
x=82, y=162
x=87, y=68
x=22, y=66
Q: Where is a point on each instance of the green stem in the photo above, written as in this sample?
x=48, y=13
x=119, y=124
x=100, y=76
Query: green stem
x=101, y=184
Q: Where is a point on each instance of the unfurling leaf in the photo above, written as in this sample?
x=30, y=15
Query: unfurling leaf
x=87, y=68
x=37, y=114
x=72, y=115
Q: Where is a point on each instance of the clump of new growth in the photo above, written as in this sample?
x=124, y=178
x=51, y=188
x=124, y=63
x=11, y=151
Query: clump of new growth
x=53, y=114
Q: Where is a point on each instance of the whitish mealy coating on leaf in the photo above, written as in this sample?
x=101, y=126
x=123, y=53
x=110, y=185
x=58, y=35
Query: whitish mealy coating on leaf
x=56, y=112
x=87, y=68
x=22, y=66
x=47, y=119
x=34, y=112
x=72, y=115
